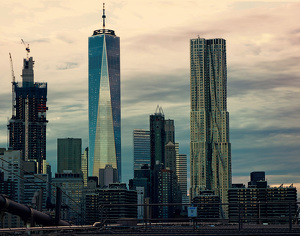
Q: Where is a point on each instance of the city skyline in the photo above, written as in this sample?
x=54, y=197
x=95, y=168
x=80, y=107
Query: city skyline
x=262, y=58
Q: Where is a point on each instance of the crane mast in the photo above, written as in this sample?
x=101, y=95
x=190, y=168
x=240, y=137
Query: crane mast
x=13, y=85
x=26, y=47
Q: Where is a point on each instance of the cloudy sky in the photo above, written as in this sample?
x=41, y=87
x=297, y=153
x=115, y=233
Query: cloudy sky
x=263, y=48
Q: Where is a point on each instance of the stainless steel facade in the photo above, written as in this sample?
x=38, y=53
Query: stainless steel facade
x=210, y=149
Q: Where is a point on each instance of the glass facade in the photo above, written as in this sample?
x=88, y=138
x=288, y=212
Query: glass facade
x=141, y=148
x=104, y=102
x=69, y=155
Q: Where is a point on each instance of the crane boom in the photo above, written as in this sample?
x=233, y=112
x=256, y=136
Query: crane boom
x=13, y=82
x=26, y=47
x=12, y=69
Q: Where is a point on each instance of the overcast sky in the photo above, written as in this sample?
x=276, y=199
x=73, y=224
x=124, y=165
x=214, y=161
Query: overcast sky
x=263, y=61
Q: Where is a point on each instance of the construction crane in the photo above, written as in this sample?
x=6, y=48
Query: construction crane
x=13, y=82
x=26, y=47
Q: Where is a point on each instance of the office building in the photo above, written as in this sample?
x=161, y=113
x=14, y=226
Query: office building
x=12, y=182
x=157, y=138
x=257, y=178
x=208, y=205
x=170, y=131
x=141, y=179
x=97, y=203
x=84, y=165
x=141, y=148
x=262, y=204
x=36, y=191
x=107, y=176
x=164, y=187
x=27, y=126
x=104, y=101
x=72, y=187
x=210, y=149
x=69, y=155
x=12, y=166
x=170, y=156
x=181, y=172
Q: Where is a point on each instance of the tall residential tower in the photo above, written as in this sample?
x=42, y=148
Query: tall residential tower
x=104, y=101
x=27, y=127
x=210, y=148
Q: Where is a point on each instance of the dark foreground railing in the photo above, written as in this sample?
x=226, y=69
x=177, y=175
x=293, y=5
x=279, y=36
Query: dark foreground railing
x=235, y=214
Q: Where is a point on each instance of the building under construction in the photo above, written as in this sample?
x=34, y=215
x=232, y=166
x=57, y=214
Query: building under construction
x=27, y=126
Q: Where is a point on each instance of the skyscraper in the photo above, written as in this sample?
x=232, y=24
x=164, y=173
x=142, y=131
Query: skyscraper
x=27, y=126
x=157, y=138
x=181, y=172
x=104, y=101
x=141, y=148
x=210, y=146
x=170, y=131
x=84, y=165
x=69, y=155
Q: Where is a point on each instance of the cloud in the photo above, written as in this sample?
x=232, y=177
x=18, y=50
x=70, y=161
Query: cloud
x=67, y=66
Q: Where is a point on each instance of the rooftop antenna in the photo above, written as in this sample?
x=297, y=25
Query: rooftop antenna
x=103, y=16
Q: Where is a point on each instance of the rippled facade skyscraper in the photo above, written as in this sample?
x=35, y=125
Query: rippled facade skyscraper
x=210, y=148
x=104, y=101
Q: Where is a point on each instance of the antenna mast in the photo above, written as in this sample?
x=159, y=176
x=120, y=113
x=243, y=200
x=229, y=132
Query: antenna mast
x=103, y=16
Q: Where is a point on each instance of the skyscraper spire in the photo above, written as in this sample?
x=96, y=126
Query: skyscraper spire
x=103, y=16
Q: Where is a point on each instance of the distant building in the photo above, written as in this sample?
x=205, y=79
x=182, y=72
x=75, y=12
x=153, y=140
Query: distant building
x=36, y=191
x=141, y=148
x=141, y=179
x=270, y=204
x=97, y=202
x=208, y=205
x=181, y=172
x=170, y=131
x=72, y=186
x=107, y=176
x=12, y=182
x=140, y=200
x=104, y=101
x=157, y=137
x=209, y=119
x=170, y=157
x=84, y=165
x=12, y=165
x=69, y=155
x=257, y=178
x=27, y=126
x=164, y=186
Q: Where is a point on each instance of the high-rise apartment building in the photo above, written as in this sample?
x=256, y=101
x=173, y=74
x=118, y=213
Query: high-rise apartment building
x=104, y=101
x=210, y=148
x=141, y=148
x=69, y=155
x=27, y=126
